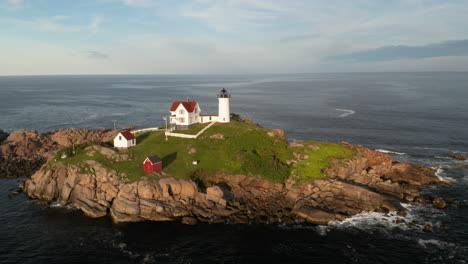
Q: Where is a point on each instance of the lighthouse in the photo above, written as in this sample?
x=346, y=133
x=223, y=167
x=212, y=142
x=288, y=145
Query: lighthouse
x=224, y=112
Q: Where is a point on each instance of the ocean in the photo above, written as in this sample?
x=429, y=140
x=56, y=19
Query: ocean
x=417, y=117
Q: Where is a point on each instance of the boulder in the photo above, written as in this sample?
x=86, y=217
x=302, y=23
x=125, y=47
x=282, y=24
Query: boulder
x=279, y=133
x=192, y=151
x=315, y=216
x=439, y=203
x=458, y=157
x=189, y=220
x=217, y=136
x=3, y=135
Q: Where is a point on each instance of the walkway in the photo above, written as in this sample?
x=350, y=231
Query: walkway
x=190, y=136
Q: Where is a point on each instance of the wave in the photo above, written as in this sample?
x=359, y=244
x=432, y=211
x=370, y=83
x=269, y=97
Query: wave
x=440, y=244
x=58, y=205
x=346, y=112
x=390, y=152
x=440, y=174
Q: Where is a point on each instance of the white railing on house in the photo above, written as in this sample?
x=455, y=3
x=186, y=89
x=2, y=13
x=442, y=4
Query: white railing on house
x=187, y=135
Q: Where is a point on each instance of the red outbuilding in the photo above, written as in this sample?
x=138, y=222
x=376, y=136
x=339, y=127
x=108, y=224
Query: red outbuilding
x=152, y=164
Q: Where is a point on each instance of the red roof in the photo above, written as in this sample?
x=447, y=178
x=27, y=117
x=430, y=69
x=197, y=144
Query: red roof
x=127, y=135
x=189, y=106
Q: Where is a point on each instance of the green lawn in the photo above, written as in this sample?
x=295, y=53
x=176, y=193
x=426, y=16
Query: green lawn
x=312, y=167
x=246, y=149
x=193, y=130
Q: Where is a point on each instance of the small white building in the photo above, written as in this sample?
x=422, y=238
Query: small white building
x=187, y=113
x=124, y=139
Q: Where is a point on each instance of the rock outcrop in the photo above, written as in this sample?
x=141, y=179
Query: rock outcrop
x=371, y=181
x=24, y=152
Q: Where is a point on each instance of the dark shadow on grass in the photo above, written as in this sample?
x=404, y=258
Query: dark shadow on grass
x=142, y=137
x=168, y=159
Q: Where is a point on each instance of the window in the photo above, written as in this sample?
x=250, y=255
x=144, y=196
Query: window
x=134, y=143
x=210, y=117
x=181, y=111
x=181, y=119
x=196, y=110
x=120, y=137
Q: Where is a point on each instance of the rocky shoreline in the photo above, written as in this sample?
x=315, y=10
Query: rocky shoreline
x=24, y=152
x=370, y=181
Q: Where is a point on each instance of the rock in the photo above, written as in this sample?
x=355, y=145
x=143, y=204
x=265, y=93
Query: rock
x=315, y=216
x=248, y=121
x=217, y=136
x=402, y=213
x=24, y=152
x=353, y=187
x=3, y=135
x=458, y=165
x=428, y=228
x=444, y=226
x=439, y=203
x=192, y=151
x=456, y=157
x=214, y=191
x=296, y=144
x=189, y=221
x=279, y=133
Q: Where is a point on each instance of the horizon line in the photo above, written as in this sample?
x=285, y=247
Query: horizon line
x=219, y=74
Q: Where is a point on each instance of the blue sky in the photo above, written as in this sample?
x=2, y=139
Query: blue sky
x=237, y=36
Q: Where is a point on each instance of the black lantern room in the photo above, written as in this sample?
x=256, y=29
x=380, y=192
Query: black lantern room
x=224, y=94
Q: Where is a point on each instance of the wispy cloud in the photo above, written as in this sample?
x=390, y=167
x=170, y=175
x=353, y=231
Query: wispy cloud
x=299, y=37
x=57, y=23
x=12, y=4
x=95, y=23
x=138, y=3
x=446, y=48
x=96, y=55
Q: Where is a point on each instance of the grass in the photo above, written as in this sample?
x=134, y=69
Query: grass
x=312, y=167
x=246, y=149
x=193, y=130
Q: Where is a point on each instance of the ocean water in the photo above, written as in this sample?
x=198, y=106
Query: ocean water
x=416, y=117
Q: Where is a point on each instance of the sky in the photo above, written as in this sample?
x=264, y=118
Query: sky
x=53, y=37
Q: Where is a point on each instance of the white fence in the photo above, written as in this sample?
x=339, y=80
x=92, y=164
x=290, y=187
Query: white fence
x=187, y=135
x=143, y=130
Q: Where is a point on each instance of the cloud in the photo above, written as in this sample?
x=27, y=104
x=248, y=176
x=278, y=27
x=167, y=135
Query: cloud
x=95, y=23
x=386, y=53
x=96, y=55
x=59, y=18
x=15, y=2
x=138, y=3
x=299, y=37
x=234, y=15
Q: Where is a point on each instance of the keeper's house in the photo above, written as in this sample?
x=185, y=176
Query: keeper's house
x=124, y=139
x=184, y=114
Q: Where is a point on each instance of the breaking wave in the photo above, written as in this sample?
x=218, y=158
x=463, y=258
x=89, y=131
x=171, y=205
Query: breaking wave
x=390, y=152
x=441, y=175
x=346, y=112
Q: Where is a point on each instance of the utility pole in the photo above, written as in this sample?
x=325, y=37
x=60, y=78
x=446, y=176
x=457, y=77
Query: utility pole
x=115, y=121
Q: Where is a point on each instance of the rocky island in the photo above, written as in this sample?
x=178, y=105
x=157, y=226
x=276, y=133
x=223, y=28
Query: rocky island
x=244, y=174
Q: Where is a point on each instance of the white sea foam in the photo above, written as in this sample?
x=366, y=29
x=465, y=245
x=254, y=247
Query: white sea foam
x=346, y=112
x=441, y=175
x=390, y=152
x=369, y=221
x=58, y=205
x=440, y=244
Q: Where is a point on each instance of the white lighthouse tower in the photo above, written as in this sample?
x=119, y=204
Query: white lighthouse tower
x=224, y=113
